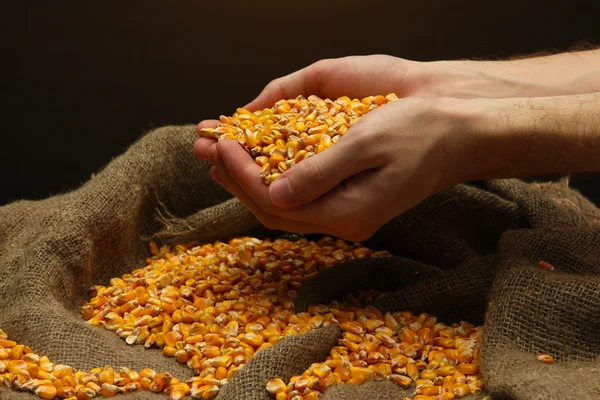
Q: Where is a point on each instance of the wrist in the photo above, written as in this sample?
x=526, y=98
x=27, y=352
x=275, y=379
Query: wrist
x=465, y=79
x=521, y=137
x=481, y=141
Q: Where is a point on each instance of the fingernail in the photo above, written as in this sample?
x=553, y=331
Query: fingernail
x=282, y=194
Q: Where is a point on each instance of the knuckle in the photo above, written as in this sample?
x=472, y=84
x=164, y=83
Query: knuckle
x=276, y=87
x=321, y=65
x=315, y=174
x=308, y=180
x=243, y=170
x=317, y=73
x=276, y=83
x=360, y=133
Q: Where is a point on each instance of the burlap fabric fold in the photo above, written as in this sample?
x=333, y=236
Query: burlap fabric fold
x=469, y=253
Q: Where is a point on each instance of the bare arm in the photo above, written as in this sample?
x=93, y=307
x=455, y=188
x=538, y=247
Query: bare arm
x=531, y=136
x=560, y=74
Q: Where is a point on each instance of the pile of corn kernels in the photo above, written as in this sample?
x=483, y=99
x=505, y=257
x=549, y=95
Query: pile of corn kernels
x=213, y=307
x=293, y=130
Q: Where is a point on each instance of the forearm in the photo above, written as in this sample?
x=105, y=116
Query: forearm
x=512, y=138
x=561, y=74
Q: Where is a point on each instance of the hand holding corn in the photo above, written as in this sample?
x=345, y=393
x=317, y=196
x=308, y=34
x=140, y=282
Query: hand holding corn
x=454, y=122
x=345, y=190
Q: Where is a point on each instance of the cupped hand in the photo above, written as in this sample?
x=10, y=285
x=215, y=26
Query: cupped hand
x=355, y=76
x=389, y=161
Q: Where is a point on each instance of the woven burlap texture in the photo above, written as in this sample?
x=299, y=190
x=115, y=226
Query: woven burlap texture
x=469, y=253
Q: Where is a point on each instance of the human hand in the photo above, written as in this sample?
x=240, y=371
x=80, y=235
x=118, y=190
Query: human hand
x=361, y=76
x=357, y=77
x=387, y=162
x=434, y=80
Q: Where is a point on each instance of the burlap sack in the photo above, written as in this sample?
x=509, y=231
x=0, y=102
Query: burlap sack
x=469, y=253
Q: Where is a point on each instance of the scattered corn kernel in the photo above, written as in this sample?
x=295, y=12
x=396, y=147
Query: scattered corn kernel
x=546, y=358
x=546, y=265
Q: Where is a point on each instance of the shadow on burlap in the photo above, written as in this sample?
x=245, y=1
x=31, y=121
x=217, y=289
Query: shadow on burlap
x=469, y=253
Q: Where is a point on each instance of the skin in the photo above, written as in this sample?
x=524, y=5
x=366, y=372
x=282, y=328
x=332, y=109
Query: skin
x=456, y=121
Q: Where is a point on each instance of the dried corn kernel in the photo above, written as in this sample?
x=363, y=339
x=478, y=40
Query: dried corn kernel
x=546, y=358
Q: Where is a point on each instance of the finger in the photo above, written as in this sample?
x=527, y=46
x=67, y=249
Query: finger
x=351, y=211
x=336, y=213
x=317, y=175
x=303, y=82
x=205, y=149
x=343, y=81
x=207, y=123
x=299, y=185
x=216, y=175
x=244, y=170
x=221, y=176
x=245, y=173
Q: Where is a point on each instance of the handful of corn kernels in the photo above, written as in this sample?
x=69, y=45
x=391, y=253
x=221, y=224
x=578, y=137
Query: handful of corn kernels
x=291, y=131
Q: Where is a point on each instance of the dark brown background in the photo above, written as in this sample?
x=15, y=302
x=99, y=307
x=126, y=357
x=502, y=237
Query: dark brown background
x=83, y=81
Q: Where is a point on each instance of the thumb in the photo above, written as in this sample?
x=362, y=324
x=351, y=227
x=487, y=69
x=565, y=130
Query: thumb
x=315, y=176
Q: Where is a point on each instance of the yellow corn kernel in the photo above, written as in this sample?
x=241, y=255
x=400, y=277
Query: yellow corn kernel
x=276, y=386
x=382, y=368
x=545, y=358
x=107, y=375
x=108, y=390
x=253, y=339
x=461, y=390
x=360, y=375
x=169, y=351
x=401, y=380
x=46, y=392
x=412, y=371
x=468, y=369
x=351, y=337
x=300, y=155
